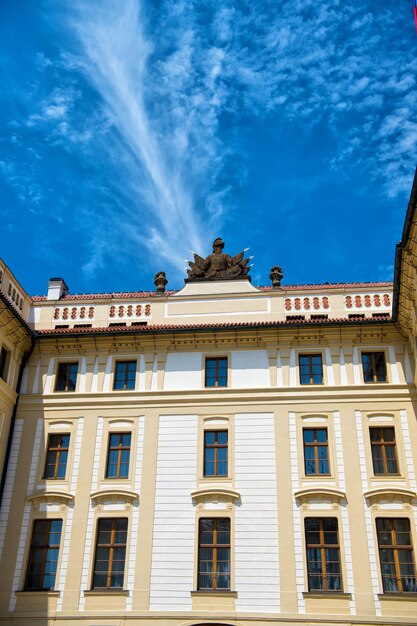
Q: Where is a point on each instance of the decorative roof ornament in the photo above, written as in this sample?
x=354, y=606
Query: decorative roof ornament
x=276, y=276
x=160, y=281
x=218, y=265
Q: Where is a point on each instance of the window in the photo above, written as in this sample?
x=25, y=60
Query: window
x=66, y=379
x=396, y=555
x=109, y=562
x=216, y=372
x=323, y=554
x=125, y=375
x=384, y=451
x=311, y=369
x=118, y=456
x=316, y=451
x=374, y=368
x=43, y=555
x=4, y=362
x=214, y=553
x=57, y=456
x=215, y=452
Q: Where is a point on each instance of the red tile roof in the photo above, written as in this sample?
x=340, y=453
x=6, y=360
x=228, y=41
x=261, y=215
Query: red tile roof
x=213, y=326
x=150, y=294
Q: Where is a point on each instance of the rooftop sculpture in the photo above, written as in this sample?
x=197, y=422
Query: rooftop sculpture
x=218, y=265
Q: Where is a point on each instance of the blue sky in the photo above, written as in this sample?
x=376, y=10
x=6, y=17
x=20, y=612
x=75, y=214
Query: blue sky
x=134, y=132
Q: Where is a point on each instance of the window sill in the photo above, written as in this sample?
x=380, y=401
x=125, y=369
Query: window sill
x=50, y=593
x=327, y=594
x=404, y=595
x=318, y=476
x=106, y=592
x=214, y=592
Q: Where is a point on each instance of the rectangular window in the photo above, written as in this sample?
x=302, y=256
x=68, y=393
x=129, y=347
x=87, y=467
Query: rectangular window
x=384, y=451
x=311, y=369
x=43, y=555
x=118, y=456
x=323, y=554
x=316, y=451
x=109, y=561
x=4, y=362
x=216, y=372
x=373, y=367
x=214, y=553
x=125, y=375
x=215, y=452
x=57, y=456
x=66, y=379
x=396, y=555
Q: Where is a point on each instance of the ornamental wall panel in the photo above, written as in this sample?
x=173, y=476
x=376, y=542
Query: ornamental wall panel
x=172, y=574
x=256, y=521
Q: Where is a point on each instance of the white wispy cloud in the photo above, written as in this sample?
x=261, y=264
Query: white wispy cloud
x=166, y=75
x=116, y=56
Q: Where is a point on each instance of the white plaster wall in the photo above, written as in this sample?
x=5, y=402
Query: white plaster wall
x=368, y=517
x=172, y=574
x=132, y=556
x=90, y=520
x=67, y=528
x=250, y=368
x=256, y=524
x=183, y=371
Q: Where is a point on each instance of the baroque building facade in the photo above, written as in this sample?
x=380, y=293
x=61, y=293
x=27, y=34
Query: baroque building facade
x=222, y=454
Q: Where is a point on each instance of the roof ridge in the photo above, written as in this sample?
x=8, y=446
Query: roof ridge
x=148, y=294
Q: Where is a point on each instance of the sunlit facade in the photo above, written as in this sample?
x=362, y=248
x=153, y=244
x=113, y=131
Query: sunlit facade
x=222, y=454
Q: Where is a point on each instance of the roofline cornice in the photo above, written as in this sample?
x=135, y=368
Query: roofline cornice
x=17, y=315
x=411, y=209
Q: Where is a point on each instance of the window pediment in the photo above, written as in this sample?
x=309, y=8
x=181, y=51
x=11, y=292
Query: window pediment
x=374, y=494
x=124, y=495
x=330, y=493
x=215, y=494
x=51, y=496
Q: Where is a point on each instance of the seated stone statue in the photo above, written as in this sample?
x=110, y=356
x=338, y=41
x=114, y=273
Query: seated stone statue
x=218, y=265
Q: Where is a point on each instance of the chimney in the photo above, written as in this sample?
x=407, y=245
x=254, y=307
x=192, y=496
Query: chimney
x=57, y=287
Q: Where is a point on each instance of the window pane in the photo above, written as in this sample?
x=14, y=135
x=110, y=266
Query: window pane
x=210, y=437
x=110, y=553
x=43, y=555
x=397, y=563
x=216, y=534
x=323, y=554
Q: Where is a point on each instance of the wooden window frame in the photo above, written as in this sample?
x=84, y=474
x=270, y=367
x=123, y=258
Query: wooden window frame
x=45, y=547
x=373, y=355
x=322, y=547
x=59, y=449
x=381, y=443
x=396, y=548
x=125, y=377
x=217, y=359
x=215, y=547
x=310, y=367
x=316, y=445
x=111, y=547
x=65, y=365
x=119, y=448
x=216, y=446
